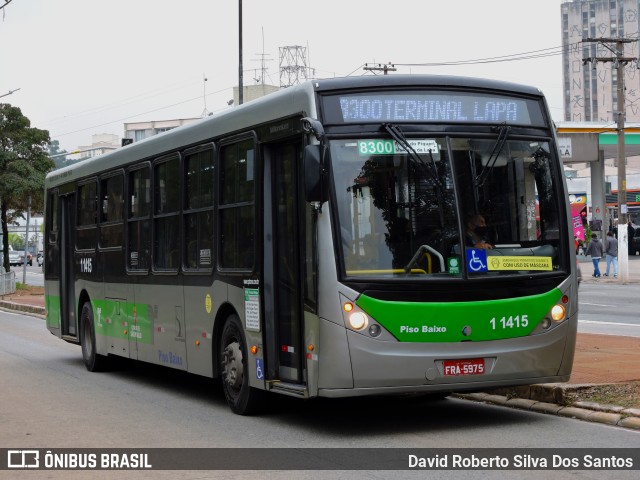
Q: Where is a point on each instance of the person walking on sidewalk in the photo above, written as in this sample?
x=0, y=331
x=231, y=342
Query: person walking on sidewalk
x=595, y=250
x=611, y=252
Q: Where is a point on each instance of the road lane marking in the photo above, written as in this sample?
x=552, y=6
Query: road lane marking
x=596, y=322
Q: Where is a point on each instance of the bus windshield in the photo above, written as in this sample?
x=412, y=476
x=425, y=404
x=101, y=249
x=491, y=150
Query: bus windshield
x=446, y=206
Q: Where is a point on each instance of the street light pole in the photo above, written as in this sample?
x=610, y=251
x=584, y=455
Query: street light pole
x=26, y=244
x=240, y=67
x=10, y=92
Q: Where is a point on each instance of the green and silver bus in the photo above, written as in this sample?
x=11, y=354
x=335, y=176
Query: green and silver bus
x=319, y=242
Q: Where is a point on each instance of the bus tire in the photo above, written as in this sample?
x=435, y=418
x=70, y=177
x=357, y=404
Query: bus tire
x=92, y=360
x=233, y=367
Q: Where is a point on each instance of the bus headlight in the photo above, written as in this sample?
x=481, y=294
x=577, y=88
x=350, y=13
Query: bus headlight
x=358, y=320
x=557, y=312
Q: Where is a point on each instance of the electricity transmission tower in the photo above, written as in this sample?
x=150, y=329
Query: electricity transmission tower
x=293, y=65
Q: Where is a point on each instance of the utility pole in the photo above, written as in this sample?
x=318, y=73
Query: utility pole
x=26, y=244
x=619, y=61
x=386, y=68
x=240, y=66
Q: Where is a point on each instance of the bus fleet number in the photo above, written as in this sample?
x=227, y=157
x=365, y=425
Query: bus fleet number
x=504, y=323
x=86, y=265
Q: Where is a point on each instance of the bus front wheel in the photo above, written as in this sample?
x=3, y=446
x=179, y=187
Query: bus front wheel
x=92, y=360
x=234, y=371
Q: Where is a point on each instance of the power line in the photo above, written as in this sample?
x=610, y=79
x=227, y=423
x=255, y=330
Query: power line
x=120, y=103
x=135, y=115
x=534, y=54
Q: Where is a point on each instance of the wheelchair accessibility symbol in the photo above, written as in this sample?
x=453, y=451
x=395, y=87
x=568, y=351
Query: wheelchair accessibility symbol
x=476, y=260
x=259, y=369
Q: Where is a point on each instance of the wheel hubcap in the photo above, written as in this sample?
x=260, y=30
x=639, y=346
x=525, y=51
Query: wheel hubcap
x=232, y=364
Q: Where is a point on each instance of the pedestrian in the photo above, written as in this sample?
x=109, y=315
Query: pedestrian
x=577, y=244
x=611, y=252
x=595, y=250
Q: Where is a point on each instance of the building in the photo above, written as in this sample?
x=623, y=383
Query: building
x=137, y=131
x=591, y=55
x=252, y=92
x=101, y=143
x=590, y=88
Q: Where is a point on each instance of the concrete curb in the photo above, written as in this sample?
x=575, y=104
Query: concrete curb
x=558, y=395
x=22, y=307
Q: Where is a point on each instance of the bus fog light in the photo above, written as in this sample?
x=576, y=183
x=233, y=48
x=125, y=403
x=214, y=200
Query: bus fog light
x=375, y=330
x=358, y=320
x=545, y=323
x=557, y=313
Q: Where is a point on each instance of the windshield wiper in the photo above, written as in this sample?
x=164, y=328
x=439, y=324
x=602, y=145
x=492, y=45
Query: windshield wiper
x=503, y=134
x=398, y=136
x=430, y=170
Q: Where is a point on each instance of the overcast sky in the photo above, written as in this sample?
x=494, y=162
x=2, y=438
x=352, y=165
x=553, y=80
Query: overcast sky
x=85, y=67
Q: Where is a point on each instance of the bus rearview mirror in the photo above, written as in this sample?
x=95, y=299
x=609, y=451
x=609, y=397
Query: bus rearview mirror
x=314, y=179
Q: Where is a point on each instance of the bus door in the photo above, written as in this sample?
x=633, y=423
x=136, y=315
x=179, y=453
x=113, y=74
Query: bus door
x=284, y=327
x=67, y=278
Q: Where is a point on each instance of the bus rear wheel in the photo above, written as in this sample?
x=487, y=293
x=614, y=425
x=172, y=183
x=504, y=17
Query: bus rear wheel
x=234, y=371
x=92, y=360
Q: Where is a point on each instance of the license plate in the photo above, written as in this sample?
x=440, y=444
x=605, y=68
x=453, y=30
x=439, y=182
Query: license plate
x=472, y=366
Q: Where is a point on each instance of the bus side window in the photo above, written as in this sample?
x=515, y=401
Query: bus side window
x=166, y=218
x=111, y=231
x=138, y=223
x=236, y=211
x=198, y=208
x=87, y=215
x=52, y=216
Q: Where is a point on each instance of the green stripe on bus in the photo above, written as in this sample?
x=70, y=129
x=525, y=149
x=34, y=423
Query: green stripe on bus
x=460, y=321
x=52, y=306
x=123, y=320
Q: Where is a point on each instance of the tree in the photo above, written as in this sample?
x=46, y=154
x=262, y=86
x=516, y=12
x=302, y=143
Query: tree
x=24, y=163
x=58, y=155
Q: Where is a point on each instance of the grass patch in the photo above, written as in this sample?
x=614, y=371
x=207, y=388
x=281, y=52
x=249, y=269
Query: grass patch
x=619, y=394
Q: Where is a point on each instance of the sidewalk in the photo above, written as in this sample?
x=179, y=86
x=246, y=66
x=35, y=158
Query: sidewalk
x=599, y=360
x=586, y=265
x=33, y=304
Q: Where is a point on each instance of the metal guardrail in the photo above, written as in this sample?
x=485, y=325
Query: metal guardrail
x=7, y=282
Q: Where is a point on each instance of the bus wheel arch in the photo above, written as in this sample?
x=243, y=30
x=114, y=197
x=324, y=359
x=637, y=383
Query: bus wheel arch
x=224, y=312
x=233, y=368
x=93, y=361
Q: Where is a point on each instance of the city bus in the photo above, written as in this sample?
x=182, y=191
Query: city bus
x=315, y=243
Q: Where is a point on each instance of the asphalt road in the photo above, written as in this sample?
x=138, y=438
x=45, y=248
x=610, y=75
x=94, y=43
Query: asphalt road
x=609, y=308
x=34, y=275
x=49, y=400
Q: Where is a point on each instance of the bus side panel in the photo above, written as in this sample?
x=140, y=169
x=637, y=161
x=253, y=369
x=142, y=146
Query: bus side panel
x=334, y=361
x=160, y=311
x=52, y=306
x=237, y=299
x=115, y=304
x=201, y=304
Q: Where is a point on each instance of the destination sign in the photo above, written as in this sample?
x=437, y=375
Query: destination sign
x=442, y=107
